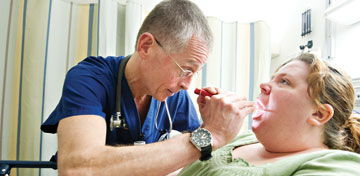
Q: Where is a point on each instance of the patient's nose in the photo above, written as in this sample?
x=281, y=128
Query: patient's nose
x=265, y=88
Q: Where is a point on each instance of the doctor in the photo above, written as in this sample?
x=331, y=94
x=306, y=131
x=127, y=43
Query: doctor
x=110, y=104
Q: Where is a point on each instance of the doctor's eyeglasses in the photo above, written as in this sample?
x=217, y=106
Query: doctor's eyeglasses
x=184, y=73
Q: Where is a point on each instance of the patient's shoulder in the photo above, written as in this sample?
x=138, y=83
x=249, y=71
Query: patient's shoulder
x=332, y=162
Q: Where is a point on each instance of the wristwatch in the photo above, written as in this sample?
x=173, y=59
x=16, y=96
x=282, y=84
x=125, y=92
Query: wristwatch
x=202, y=140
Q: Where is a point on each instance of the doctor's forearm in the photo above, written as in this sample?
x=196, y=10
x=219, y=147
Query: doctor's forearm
x=152, y=159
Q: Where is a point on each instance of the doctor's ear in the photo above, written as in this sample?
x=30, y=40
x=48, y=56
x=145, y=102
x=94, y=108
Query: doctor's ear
x=322, y=115
x=144, y=43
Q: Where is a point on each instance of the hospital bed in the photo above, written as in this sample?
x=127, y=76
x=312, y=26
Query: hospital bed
x=7, y=165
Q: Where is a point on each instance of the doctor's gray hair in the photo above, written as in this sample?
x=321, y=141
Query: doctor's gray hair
x=174, y=22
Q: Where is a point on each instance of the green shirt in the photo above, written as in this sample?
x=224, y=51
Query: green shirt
x=325, y=162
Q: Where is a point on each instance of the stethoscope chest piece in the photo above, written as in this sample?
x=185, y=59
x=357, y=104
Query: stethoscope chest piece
x=118, y=122
x=167, y=135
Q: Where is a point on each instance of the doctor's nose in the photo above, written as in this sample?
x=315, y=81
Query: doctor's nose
x=185, y=83
x=265, y=88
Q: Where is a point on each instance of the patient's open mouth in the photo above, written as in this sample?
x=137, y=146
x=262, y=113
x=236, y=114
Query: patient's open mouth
x=259, y=109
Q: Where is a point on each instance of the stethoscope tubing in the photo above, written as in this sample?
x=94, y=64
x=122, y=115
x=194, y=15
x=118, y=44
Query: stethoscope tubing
x=120, y=121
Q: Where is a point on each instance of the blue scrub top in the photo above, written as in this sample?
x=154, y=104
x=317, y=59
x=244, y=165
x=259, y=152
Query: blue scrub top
x=90, y=89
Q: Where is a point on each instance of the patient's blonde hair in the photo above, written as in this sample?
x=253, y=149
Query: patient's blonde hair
x=328, y=85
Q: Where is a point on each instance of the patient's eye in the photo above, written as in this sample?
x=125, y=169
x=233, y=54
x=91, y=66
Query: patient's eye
x=284, y=81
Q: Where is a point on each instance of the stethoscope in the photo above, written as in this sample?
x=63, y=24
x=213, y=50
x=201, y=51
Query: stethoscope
x=120, y=122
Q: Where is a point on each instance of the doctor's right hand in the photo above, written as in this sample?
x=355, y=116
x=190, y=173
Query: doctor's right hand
x=223, y=114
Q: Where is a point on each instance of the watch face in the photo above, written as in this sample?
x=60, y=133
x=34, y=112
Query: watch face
x=201, y=137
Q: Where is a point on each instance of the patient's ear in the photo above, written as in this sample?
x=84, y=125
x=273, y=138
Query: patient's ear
x=321, y=116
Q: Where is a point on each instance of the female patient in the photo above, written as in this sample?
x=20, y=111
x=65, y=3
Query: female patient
x=305, y=127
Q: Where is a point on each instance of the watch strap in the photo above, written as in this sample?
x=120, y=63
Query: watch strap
x=206, y=153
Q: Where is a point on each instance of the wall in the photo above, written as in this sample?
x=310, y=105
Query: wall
x=346, y=55
x=290, y=40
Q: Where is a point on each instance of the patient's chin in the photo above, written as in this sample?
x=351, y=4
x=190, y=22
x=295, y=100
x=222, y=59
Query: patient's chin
x=255, y=127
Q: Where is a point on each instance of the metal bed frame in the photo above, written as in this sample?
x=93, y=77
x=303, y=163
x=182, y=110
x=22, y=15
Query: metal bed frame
x=7, y=165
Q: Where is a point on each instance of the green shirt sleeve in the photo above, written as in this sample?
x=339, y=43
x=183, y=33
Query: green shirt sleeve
x=335, y=162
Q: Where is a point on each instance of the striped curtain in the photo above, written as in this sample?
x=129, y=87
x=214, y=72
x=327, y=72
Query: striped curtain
x=39, y=41
x=240, y=59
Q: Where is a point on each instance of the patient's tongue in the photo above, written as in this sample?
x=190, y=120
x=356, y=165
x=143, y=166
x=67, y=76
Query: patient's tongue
x=258, y=113
x=259, y=109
